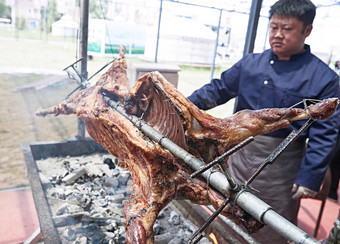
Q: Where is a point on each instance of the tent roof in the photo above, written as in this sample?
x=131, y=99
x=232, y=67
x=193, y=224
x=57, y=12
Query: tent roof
x=66, y=21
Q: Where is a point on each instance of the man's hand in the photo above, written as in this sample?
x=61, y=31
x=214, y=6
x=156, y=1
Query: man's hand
x=302, y=192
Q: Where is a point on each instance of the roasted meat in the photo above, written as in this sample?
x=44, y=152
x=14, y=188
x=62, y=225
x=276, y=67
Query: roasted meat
x=158, y=176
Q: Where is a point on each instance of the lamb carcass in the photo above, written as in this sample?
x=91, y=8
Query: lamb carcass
x=158, y=176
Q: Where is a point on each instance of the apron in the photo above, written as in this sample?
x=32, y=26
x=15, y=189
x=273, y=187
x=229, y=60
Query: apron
x=274, y=183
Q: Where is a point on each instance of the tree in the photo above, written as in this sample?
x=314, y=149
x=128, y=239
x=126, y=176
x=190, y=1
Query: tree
x=98, y=8
x=52, y=14
x=5, y=11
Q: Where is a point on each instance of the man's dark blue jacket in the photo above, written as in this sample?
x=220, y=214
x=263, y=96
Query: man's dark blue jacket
x=262, y=81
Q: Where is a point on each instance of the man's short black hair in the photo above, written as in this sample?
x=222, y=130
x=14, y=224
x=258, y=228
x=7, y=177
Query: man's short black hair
x=303, y=10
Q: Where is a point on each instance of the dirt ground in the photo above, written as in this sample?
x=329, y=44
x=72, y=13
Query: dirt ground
x=18, y=122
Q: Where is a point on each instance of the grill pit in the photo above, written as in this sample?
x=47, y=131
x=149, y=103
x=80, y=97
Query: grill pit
x=79, y=191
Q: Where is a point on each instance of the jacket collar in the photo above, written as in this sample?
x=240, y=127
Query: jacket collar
x=295, y=56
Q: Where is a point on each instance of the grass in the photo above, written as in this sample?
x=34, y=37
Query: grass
x=19, y=124
x=33, y=35
x=30, y=59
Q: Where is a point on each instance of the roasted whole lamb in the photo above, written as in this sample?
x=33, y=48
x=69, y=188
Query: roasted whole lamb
x=158, y=176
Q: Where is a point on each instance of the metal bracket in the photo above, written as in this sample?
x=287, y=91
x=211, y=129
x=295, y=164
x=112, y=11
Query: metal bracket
x=221, y=158
x=198, y=234
x=279, y=150
x=74, y=75
x=235, y=188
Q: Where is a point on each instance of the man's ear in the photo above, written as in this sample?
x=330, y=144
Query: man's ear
x=308, y=30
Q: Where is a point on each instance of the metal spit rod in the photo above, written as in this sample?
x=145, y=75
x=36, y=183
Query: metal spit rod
x=247, y=201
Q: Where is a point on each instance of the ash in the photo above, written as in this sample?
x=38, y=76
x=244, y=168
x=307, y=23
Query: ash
x=86, y=196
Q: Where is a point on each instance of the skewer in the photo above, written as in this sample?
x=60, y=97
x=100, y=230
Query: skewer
x=83, y=83
x=198, y=234
x=222, y=157
x=279, y=150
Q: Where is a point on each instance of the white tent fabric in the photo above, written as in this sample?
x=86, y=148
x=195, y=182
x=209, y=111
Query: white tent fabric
x=65, y=27
x=182, y=40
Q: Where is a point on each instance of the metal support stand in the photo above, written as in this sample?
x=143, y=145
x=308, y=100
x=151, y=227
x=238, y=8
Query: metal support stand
x=216, y=45
x=255, y=10
x=158, y=31
x=83, y=37
x=83, y=43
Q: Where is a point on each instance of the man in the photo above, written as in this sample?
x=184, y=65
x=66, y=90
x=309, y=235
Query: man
x=280, y=77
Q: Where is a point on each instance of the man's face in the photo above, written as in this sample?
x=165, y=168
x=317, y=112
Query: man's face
x=287, y=36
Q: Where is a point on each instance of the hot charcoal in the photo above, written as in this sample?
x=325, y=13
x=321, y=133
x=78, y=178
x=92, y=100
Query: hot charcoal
x=90, y=208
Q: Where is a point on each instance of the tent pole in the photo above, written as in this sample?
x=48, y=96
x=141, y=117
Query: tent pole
x=216, y=45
